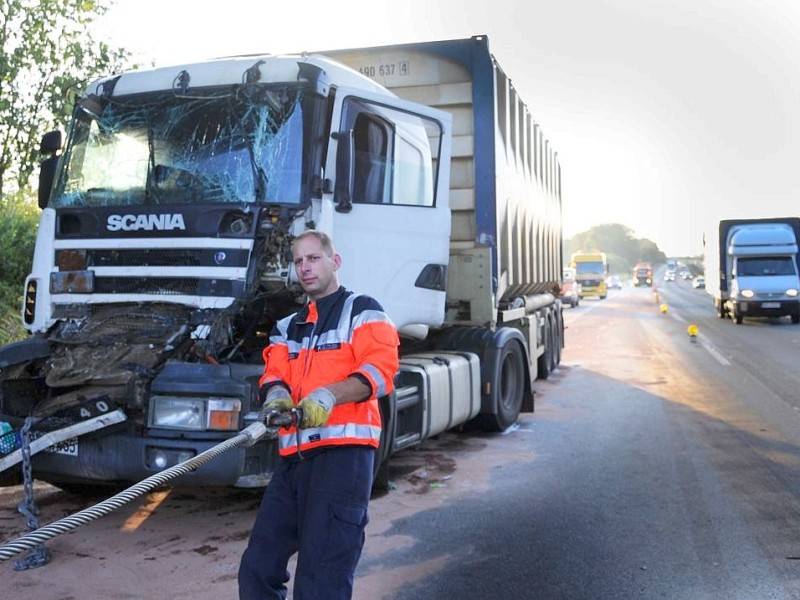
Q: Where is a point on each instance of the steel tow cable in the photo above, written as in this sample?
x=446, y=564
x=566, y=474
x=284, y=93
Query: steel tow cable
x=246, y=437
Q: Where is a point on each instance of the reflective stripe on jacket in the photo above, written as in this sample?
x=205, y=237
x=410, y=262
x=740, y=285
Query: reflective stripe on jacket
x=329, y=340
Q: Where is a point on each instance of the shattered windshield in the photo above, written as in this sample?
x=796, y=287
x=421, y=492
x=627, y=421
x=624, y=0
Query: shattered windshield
x=167, y=149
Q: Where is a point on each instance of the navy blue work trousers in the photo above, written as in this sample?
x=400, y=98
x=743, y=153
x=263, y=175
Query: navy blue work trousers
x=317, y=508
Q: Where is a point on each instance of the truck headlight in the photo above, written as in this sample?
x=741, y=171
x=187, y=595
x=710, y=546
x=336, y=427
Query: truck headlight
x=747, y=293
x=197, y=414
x=791, y=292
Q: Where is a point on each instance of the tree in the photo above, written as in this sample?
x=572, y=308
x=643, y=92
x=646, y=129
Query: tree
x=47, y=55
x=46, y=52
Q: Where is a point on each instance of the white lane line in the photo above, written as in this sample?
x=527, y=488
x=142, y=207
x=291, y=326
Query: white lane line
x=714, y=352
x=705, y=343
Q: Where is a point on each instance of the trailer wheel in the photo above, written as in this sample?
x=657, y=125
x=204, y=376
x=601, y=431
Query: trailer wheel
x=737, y=317
x=508, y=387
x=558, y=339
x=544, y=363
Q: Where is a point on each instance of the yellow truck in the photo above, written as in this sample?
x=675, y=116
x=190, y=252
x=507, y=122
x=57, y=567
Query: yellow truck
x=591, y=270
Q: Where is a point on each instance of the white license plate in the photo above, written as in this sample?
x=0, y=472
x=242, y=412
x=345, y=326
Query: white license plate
x=68, y=447
x=770, y=305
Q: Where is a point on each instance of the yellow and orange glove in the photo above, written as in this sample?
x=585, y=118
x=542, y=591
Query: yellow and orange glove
x=317, y=407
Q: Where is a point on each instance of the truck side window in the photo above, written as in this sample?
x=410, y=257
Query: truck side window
x=371, y=144
x=394, y=155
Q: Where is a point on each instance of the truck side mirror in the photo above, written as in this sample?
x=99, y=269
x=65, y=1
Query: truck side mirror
x=345, y=171
x=52, y=142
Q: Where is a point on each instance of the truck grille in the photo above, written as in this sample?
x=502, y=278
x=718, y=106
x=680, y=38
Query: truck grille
x=167, y=286
x=167, y=257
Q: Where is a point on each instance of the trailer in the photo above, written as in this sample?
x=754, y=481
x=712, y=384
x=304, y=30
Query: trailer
x=162, y=258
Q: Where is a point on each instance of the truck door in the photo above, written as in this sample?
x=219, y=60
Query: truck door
x=390, y=215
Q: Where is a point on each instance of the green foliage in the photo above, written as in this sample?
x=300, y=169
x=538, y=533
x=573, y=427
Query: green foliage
x=47, y=55
x=622, y=248
x=19, y=220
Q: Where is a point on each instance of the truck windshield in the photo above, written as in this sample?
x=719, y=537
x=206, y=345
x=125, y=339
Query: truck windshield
x=589, y=267
x=752, y=267
x=168, y=149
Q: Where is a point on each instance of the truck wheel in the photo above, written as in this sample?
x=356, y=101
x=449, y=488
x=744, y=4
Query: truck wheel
x=795, y=318
x=508, y=387
x=380, y=471
x=380, y=475
x=558, y=340
x=545, y=361
x=737, y=317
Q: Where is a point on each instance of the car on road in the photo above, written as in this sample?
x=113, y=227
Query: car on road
x=613, y=283
x=699, y=282
x=570, y=289
x=669, y=276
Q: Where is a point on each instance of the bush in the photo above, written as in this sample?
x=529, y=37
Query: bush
x=19, y=219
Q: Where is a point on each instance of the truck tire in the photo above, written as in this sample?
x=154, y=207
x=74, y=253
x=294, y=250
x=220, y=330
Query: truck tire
x=544, y=363
x=380, y=470
x=558, y=338
x=736, y=316
x=508, y=387
x=795, y=318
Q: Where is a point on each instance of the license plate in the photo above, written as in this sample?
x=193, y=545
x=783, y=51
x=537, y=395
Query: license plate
x=770, y=305
x=68, y=447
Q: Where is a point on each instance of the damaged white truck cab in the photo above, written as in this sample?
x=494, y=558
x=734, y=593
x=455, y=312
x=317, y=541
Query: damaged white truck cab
x=163, y=253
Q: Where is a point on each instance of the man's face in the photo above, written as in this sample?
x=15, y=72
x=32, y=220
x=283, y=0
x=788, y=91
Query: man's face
x=315, y=269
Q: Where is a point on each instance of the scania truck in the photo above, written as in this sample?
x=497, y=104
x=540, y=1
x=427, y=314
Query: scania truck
x=163, y=251
x=751, y=268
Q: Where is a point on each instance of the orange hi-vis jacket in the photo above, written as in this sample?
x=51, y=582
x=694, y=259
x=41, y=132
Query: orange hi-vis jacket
x=340, y=335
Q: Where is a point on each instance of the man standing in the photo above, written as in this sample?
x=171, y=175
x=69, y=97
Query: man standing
x=333, y=359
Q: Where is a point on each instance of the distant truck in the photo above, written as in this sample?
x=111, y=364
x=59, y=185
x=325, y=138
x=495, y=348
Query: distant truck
x=591, y=271
x=642, y=275
x=163, y=252
x=751, y=268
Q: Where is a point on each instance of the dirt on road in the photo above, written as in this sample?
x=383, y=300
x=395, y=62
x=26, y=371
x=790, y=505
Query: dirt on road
x=186, y=542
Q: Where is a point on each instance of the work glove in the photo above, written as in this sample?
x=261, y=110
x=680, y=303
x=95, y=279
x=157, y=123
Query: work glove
x=276, y=400
x=317, y=407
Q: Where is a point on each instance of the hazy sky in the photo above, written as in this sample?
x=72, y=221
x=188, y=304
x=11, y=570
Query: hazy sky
x=666, y=114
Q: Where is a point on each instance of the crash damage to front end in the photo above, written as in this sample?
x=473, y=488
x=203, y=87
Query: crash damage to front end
x=162, y=262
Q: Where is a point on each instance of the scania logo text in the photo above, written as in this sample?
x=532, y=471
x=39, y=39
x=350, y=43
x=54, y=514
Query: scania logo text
x=165, y=222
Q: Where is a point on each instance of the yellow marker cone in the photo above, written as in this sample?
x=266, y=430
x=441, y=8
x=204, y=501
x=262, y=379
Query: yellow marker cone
x=692, y=331
x=664, y=309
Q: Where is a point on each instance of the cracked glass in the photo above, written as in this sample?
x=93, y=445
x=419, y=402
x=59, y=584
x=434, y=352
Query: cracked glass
x=170, y=149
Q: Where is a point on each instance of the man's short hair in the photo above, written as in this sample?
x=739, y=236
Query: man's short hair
x=324, y=239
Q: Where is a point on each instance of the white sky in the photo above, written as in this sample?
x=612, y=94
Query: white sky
x=666, y=114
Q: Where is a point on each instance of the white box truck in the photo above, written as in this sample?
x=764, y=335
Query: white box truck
x=162, y=259
x=751, y=268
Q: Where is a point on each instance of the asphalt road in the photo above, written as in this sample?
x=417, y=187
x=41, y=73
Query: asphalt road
x=655, y=466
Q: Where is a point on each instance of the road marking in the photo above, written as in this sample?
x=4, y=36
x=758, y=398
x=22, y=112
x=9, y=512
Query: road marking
x=714, y=352
x=705, y=343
